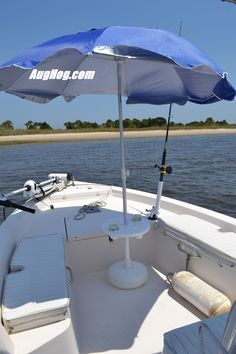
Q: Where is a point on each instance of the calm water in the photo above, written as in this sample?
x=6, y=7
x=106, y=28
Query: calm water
x=204, y=167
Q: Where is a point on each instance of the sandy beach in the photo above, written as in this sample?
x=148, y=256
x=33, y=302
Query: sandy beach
x=62, y=137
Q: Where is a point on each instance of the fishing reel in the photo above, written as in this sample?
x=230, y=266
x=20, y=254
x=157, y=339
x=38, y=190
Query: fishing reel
x=165, y=170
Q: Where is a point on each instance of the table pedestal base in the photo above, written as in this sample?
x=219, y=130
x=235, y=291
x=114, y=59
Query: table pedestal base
x=129, y=276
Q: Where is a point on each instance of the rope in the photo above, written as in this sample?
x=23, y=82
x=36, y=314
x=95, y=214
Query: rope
x=100, y=203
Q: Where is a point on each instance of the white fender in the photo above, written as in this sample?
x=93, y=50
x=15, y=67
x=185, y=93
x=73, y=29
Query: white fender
x=200, y=294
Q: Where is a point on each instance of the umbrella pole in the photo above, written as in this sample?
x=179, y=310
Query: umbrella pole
x=122, y=150
x=163, y=171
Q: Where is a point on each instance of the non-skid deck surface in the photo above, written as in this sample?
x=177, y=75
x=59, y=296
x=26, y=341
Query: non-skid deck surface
x=111, y=320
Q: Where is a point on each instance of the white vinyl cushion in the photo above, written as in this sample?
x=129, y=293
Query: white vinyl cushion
x=37, y=252
x=38, y=294
x=186, y=340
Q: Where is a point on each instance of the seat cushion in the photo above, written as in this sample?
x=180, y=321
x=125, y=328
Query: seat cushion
x=34, y=298
x=186, y=340
x=37, y=294
x=38, y=251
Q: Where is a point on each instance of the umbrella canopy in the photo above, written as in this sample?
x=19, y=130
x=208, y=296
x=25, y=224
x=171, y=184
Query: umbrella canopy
x=233, y=1
x=158, y=67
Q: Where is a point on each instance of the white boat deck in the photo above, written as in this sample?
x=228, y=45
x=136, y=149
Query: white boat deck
x=109, y=319
x=106, y=319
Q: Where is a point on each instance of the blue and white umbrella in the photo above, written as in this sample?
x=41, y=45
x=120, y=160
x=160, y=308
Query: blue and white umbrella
x=147, y=65
x=157, y=67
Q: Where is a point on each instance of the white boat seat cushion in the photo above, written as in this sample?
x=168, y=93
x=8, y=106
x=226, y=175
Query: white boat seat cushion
x=37, y=294
x=185, y=340
x=38, y=252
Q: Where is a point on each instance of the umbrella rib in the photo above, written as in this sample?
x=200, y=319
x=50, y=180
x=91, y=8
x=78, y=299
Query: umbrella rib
x=77, y=67
x=19, y=77
x=27, y=70
x=97, y=56
x=126, y=87
x=205, y=99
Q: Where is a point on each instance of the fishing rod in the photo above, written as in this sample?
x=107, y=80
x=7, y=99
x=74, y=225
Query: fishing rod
x=164, y=170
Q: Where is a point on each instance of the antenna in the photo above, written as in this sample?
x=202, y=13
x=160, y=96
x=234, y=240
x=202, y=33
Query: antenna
x=180, y=27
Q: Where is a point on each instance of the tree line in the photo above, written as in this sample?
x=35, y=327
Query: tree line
x=128, y=123
x=158, y=122
x=8, y=125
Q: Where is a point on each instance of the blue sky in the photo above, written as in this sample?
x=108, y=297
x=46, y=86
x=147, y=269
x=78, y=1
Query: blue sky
x=209, y=24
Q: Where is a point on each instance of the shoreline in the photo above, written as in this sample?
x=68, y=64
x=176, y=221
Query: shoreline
x=65, y=137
